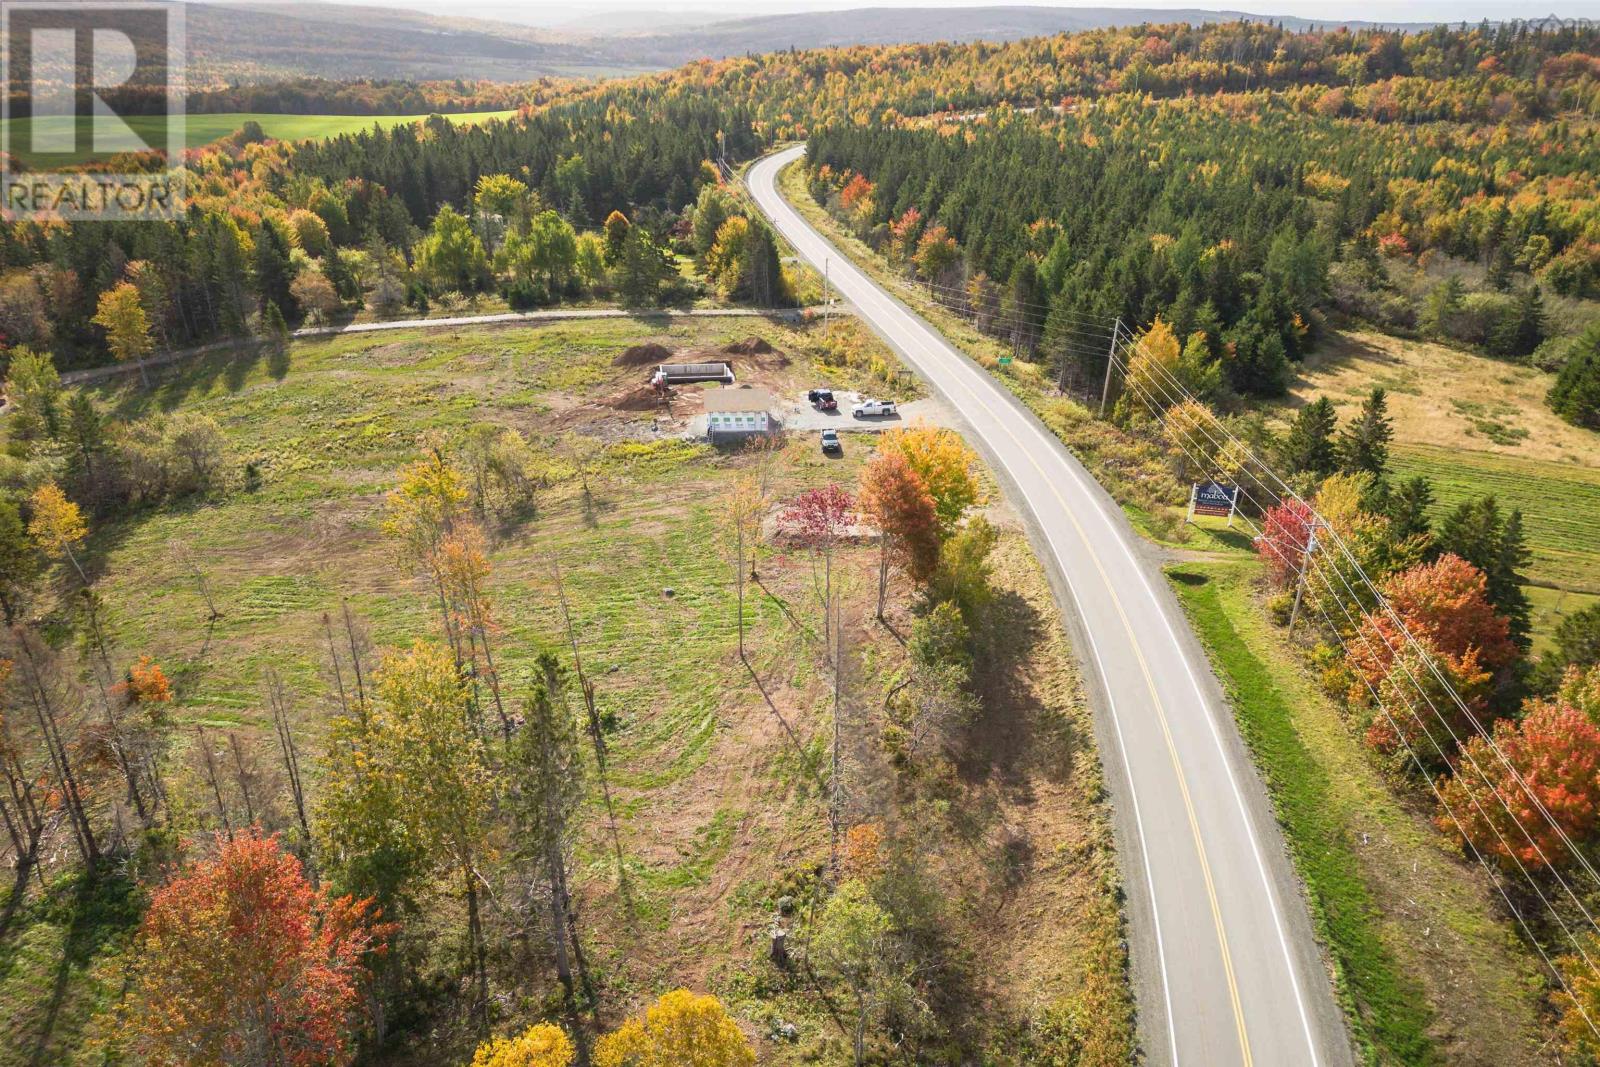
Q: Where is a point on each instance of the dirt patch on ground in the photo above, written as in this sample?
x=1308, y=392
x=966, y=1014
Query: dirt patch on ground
x=637, y=398
x=750, y=346
x=643, y=355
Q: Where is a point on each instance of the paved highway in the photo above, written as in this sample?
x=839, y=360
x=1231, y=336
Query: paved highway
x=1226, y=969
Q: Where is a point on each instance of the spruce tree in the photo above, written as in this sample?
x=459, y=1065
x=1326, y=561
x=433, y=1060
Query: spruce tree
x=1478, y=533
x=1364, y=443
x=1406, y=504
x=1308, y=447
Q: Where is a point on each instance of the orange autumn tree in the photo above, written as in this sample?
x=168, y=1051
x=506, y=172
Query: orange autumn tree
x=1459, y=645
x=1555, y=751
x=244, y=962
x=147, y=683
x=1445, y=604
x=894, y=497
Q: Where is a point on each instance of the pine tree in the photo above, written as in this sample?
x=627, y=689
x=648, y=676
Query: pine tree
x=545, y=764
x=1364, y=443
x=1520, y=331
x=640, y=270
x=274, y=271
x=1308, y=447
x=1479, y=534
x=1406, y=505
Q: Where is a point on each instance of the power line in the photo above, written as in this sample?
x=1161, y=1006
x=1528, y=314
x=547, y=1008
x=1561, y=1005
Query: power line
x=1382, y=601
x=1145, y=392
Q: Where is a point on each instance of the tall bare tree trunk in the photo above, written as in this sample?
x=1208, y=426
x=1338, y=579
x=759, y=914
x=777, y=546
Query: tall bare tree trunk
x=60, y=758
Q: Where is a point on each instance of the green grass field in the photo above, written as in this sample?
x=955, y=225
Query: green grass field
x=203, y=129
x=1560, y=505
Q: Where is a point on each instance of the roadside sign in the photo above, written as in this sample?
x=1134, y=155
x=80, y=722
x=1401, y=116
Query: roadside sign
x=1004, y=360
x=1213, y=498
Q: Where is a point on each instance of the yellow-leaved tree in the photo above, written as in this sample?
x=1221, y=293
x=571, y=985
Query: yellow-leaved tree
x=542, y=1045
x=1152, y=369
x=57, y=525
x=682, y=1029
x=121, y=315
x=944, y=463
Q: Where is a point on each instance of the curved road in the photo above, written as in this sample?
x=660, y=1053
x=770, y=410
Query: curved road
x=1226, y=969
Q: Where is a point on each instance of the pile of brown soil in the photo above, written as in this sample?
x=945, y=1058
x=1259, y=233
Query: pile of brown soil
x=643, y=355
x=638, y=398
x=750, y=346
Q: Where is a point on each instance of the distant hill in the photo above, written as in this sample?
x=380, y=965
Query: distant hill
x=249, y=42
x=900, y=25
x=260, y=41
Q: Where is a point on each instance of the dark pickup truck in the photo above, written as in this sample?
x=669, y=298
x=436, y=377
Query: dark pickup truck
x=822, y=400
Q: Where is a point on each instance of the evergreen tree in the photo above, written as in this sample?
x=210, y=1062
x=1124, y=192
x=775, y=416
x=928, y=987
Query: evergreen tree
x=763, y=270
x=1576, y=394
x=1478, y=533
x=1519, y=332
x=19, y=561
x=1443, y=304
x=274, y=271
x=1308, y=447
x=640, y=269
x=1575, y=643
x=545, y=766
x=1364, y=442
x=1407, y=505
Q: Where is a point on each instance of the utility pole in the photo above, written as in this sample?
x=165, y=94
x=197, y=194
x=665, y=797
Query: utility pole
x=827, y=293
x=1111, y=357
x=1300, y=579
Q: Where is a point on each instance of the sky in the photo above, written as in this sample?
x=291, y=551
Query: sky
x=558, y=12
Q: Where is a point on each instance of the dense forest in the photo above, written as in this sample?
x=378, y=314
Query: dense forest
x=1237, y=218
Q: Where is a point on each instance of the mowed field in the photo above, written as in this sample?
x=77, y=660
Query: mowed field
x=717, y=769
x=203, y=129
x=1475, y=425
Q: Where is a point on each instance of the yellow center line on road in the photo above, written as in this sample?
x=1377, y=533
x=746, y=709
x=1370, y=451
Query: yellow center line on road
x=1144, y=667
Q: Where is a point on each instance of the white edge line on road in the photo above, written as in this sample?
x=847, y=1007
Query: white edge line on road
x=1233, y=780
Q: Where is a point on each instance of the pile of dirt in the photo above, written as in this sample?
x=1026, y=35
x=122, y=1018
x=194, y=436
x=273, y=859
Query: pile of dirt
x=750, y=346
x=637, y=398
x=643, y=355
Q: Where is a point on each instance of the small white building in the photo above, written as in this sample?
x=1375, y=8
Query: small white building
x=732, y=413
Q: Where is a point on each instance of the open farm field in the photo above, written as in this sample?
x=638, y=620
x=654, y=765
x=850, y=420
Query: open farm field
x=716, y=787
x=202, y=129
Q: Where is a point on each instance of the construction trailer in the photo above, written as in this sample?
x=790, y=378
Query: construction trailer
x=734, y=414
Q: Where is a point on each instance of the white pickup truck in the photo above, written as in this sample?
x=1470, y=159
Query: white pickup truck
x=873, y=407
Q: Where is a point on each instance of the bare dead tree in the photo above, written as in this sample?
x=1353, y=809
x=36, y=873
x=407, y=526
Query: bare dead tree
x=333, y=662
x=357, y=641
x=24, y=822
x=836, y=774
x=278, y=699
x=208, y=763
x=243, y=776
x=183, y=556
x=39, y=673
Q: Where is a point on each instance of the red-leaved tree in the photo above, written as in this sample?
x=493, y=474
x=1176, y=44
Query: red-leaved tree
x=1556, y=751
x=896, y=499
x=818, y=519
x=1285, y=531
x=244, y=962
